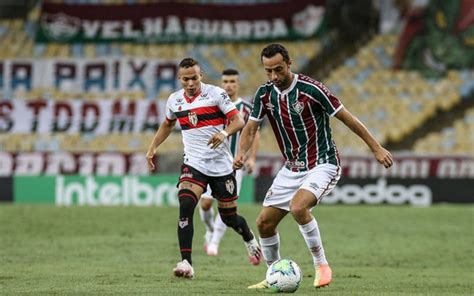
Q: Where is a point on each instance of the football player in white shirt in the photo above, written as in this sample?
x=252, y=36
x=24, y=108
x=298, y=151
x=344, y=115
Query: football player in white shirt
x=202, y=111
x=215, y=228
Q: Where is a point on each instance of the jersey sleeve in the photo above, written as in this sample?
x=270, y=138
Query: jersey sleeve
x=246, y=110
x=170, y=116
x=225, y=104
x=258, y=112
x=325, y=98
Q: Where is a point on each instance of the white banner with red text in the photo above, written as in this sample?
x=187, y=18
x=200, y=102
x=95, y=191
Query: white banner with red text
x=81, y=116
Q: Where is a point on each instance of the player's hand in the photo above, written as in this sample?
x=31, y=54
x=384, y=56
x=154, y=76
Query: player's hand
x=239, y=161
x=384, y=157
x=249, y=165
x=216, y=140
x=150, y=154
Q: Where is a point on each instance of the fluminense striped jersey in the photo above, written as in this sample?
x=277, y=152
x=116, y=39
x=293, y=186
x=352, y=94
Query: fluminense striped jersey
x=300, y=120
x=244, y=108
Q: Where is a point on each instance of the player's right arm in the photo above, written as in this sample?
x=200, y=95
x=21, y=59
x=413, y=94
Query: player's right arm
x=161, y=134
x=246, y=139
x=252, y=155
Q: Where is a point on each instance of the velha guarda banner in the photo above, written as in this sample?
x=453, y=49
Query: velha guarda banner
x=169, y=22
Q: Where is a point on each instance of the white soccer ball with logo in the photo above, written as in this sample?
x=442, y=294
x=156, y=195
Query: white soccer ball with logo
x=284, y=275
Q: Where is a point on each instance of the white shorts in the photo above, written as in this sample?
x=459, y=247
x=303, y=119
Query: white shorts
x=320, y=181
x=238, y=177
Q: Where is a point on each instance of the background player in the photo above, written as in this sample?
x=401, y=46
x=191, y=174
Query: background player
x=202, y=110
x=298, y=108
x=215, y=228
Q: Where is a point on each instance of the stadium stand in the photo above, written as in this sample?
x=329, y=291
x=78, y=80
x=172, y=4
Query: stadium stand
x=458, y=138
x=391, y=103
x=17, y=41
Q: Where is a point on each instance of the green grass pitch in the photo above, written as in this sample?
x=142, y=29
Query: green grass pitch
x=373, y=250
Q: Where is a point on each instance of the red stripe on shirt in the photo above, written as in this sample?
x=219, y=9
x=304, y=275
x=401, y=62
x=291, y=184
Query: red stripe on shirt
x=200, y=111
x=231, y=113
x=184, y=121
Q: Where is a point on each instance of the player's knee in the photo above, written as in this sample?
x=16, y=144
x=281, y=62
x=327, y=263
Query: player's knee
x=206, y=204
x=229, y=216
x=187, y=202
x=265, y=225
x=298, y=209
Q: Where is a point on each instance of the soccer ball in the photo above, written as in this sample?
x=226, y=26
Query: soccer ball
x=284, y=276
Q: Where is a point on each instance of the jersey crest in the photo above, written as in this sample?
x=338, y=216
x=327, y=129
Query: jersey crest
x=298, y=106
x=193, y=119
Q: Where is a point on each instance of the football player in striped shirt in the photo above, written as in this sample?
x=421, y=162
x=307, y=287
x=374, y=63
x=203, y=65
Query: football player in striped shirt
x=298, y=109
x=215, y=228
x=207, y=117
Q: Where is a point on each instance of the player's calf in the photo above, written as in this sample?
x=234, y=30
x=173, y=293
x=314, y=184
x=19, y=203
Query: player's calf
x=187, y=204
x=231, y=219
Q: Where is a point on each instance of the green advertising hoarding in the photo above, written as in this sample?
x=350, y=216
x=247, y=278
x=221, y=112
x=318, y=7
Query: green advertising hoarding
x=157, y=190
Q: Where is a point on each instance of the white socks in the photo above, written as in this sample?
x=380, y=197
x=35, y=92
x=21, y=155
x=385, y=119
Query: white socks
x=219, y=230
x=208, y=218
x=313, y=240
x=270, y=248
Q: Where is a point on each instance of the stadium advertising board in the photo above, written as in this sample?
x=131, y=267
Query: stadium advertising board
x=79, y=76
x=62, y=190
x=6, y=189
x=169, y=22
x=81, y=116
x=415, y=180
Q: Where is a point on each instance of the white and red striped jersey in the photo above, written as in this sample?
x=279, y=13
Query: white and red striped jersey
x=200, y=117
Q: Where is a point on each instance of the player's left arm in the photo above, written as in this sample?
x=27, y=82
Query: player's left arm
x=382, y=155
x=250, y=163
x=236, y=123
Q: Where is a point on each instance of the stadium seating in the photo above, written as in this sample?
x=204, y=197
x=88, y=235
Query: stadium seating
x=391, y=103
x=16, y=41
x=458, y=138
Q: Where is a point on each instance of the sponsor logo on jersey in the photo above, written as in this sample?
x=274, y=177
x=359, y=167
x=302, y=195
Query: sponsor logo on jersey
x=193, y=118
x=295, y=164
x=203, y=97
x=230, y=186
x=226, y=98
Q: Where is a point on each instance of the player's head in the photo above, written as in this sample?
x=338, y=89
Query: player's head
x=230, y=82
x=277, y=64
x=190, y=76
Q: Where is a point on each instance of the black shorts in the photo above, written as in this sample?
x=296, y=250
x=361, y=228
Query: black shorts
x=224, y=188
